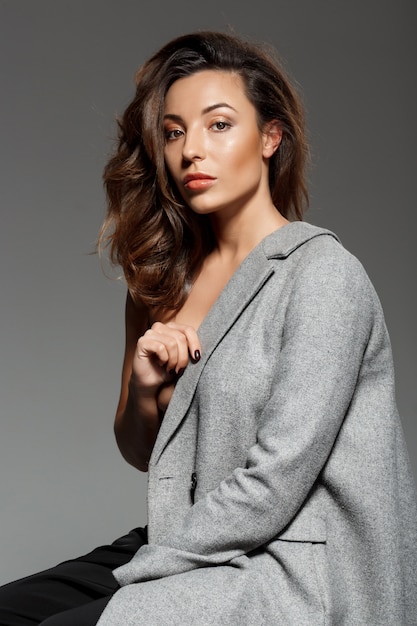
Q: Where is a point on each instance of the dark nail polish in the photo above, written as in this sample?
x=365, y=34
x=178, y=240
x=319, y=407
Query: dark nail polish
x=197, y=355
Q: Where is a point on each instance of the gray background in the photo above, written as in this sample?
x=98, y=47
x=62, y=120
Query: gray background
x=66, y=69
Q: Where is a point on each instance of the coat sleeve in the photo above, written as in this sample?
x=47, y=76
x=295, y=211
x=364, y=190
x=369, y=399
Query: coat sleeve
x=328, y=322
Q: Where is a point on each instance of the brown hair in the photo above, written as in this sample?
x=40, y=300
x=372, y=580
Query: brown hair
x=159, y=243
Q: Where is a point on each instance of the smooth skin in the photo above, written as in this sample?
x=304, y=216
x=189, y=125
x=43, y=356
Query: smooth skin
x=219, y=160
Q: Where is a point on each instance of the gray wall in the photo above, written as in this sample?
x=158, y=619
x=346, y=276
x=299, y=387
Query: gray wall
x=66, y=69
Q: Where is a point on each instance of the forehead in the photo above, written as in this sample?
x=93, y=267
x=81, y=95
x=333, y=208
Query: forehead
x=206, y=88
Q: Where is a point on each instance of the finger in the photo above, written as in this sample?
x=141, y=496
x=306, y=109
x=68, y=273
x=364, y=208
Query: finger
x=149, y=364
x=176, y=342
x=148, y=347
x=193, y=341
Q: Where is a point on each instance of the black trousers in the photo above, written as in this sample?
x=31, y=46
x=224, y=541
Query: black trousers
x=74, y=593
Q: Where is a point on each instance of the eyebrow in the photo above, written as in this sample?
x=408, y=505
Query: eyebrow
x=208, y=109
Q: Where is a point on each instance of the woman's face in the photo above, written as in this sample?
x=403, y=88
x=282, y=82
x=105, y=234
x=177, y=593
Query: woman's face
x=214, y=149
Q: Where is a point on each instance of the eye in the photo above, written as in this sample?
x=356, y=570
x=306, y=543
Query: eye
x=221, y=125
x=175, y=133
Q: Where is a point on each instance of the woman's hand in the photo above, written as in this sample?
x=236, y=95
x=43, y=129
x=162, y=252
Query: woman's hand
x=151, y=367
x=162, y=353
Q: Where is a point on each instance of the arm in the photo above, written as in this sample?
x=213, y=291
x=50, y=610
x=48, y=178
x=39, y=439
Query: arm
x=153, y=358
x=137, y=419
x=328, y=323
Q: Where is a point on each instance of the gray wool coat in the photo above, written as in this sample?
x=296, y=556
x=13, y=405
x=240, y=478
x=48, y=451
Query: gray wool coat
x=280, y=491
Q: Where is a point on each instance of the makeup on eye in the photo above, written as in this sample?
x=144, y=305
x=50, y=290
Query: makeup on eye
x=220, y=123
x=172, y=134
x=220, y=126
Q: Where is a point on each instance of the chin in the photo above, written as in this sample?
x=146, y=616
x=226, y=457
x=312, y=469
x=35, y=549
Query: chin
x=202, y=210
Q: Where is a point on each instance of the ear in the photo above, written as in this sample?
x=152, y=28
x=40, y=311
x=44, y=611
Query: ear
x=271, y=138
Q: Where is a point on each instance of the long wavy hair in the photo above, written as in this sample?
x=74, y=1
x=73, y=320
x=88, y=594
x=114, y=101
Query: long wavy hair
x=152, y=235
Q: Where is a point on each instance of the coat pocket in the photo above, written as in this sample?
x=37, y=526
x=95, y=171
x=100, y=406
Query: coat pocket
x=301, y=552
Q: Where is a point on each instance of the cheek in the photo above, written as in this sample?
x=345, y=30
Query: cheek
x=245, y=152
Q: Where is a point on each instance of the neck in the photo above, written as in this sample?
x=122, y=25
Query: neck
x=236, y=236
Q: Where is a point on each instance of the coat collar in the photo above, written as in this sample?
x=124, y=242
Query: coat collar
x=245, y=283
x=282, y=242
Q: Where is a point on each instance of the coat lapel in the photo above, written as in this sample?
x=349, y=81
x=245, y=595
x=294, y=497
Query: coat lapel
x=245, y=283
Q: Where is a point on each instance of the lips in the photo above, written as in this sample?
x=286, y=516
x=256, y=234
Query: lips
x=198, y=180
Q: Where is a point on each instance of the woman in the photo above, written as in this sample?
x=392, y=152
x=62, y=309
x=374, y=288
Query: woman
x=279, y=485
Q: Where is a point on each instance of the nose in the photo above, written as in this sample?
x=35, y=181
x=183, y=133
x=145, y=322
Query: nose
x=193, y=148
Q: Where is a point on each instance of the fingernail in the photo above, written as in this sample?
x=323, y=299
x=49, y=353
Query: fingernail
x=197, y=355
x=181, y=371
